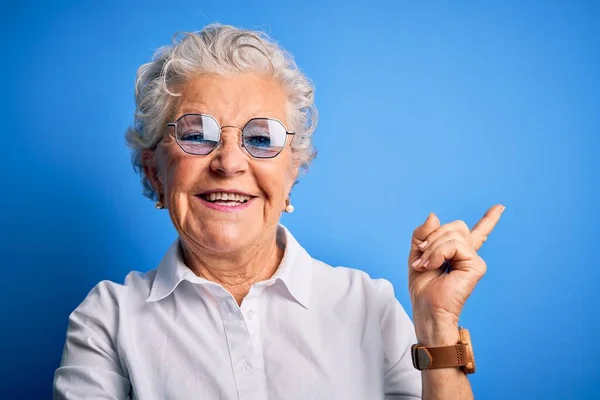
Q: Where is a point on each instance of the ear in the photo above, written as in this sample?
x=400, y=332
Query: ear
x=150, y=165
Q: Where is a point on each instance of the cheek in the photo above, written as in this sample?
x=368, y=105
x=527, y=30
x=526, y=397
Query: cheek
x=180, y=173
x=275, y=180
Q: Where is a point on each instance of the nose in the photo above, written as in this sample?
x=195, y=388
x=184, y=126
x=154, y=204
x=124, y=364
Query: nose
x=229, y=158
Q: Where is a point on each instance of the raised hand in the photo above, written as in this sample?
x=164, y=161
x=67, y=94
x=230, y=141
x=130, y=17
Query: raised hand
x=444, y=268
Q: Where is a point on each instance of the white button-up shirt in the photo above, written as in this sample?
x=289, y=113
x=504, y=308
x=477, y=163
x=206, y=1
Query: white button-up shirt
x=310, y=332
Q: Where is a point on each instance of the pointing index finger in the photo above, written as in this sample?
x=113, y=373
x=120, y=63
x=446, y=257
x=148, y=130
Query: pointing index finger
x=486, y=225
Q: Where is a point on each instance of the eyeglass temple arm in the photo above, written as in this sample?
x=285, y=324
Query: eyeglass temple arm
x=174, y=126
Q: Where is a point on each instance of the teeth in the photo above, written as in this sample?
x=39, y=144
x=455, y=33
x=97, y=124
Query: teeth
x=223, y=196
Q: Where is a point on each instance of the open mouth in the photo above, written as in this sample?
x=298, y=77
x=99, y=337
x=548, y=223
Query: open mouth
x=225, y=198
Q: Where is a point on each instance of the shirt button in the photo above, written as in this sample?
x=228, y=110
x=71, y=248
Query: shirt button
x=250, y=314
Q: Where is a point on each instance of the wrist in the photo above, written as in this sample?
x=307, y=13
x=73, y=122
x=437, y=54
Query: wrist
x=437, y=338
x=436, y=330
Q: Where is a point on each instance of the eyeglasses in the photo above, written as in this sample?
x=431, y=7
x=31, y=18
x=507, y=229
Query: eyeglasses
x=200, y=134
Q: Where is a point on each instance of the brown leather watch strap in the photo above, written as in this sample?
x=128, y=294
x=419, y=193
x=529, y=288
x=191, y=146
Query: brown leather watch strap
x=448, y=356
x=458, y=355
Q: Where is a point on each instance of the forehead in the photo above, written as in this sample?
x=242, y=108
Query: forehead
x=233, y=100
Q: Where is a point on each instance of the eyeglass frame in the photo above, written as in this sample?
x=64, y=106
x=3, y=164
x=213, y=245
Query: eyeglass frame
x=243, y=145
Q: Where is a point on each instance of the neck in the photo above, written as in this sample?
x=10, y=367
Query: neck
x=239, y=270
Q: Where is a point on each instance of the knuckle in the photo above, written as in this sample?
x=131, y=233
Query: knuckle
x=455, y=242
x=461, y=225
x=427, y=252
x=455, y=236
x=434, y=235
x=480, y=266
x=483, y=265
x=481, y=272
x=444, y=234
x=441, y=232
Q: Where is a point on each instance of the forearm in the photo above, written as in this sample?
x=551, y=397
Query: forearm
x=443, y=383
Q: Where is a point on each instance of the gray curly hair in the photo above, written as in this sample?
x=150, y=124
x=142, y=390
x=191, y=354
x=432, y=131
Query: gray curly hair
x=221, y=50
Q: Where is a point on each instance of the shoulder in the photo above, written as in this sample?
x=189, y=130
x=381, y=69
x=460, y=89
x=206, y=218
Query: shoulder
x=342, y=282
x=95, y=323
x=107, y=297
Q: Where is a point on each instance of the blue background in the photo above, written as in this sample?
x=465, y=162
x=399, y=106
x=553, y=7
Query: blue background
x=465, y=104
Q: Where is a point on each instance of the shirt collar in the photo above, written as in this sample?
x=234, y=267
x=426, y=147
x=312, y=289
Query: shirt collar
x=170, y=273
x=295, y=271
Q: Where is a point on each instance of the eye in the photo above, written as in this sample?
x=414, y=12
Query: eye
x=259, y=140
x=192, y=136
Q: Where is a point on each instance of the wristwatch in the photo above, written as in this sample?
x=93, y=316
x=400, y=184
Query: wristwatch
x=459, y=355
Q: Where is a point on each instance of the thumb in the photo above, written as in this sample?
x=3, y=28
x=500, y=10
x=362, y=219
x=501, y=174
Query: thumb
x=422, y=232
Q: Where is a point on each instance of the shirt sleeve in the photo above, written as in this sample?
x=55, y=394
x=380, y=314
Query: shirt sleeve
x=401, y=380
x=90, y=366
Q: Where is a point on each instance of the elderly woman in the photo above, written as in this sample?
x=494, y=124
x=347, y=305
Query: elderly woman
x=237, y=309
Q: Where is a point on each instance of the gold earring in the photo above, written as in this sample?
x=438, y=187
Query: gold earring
x=159, y=204
x=289, y=208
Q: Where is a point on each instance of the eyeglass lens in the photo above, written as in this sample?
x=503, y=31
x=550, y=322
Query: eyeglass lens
x=200, y=134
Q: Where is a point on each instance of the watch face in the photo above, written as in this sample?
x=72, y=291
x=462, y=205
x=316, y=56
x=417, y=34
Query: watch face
x=420, y=357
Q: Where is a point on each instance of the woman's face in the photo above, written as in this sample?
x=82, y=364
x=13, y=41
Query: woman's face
x=184, y=179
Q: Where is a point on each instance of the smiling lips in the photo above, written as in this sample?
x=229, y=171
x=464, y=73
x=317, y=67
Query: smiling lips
x=226, y=201
x=226, y=198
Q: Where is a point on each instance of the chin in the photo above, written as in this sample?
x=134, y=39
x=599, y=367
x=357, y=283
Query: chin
x=226, y=236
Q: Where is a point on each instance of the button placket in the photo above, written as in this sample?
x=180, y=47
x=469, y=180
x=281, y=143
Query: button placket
x=252, y=319
x=240, y=330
